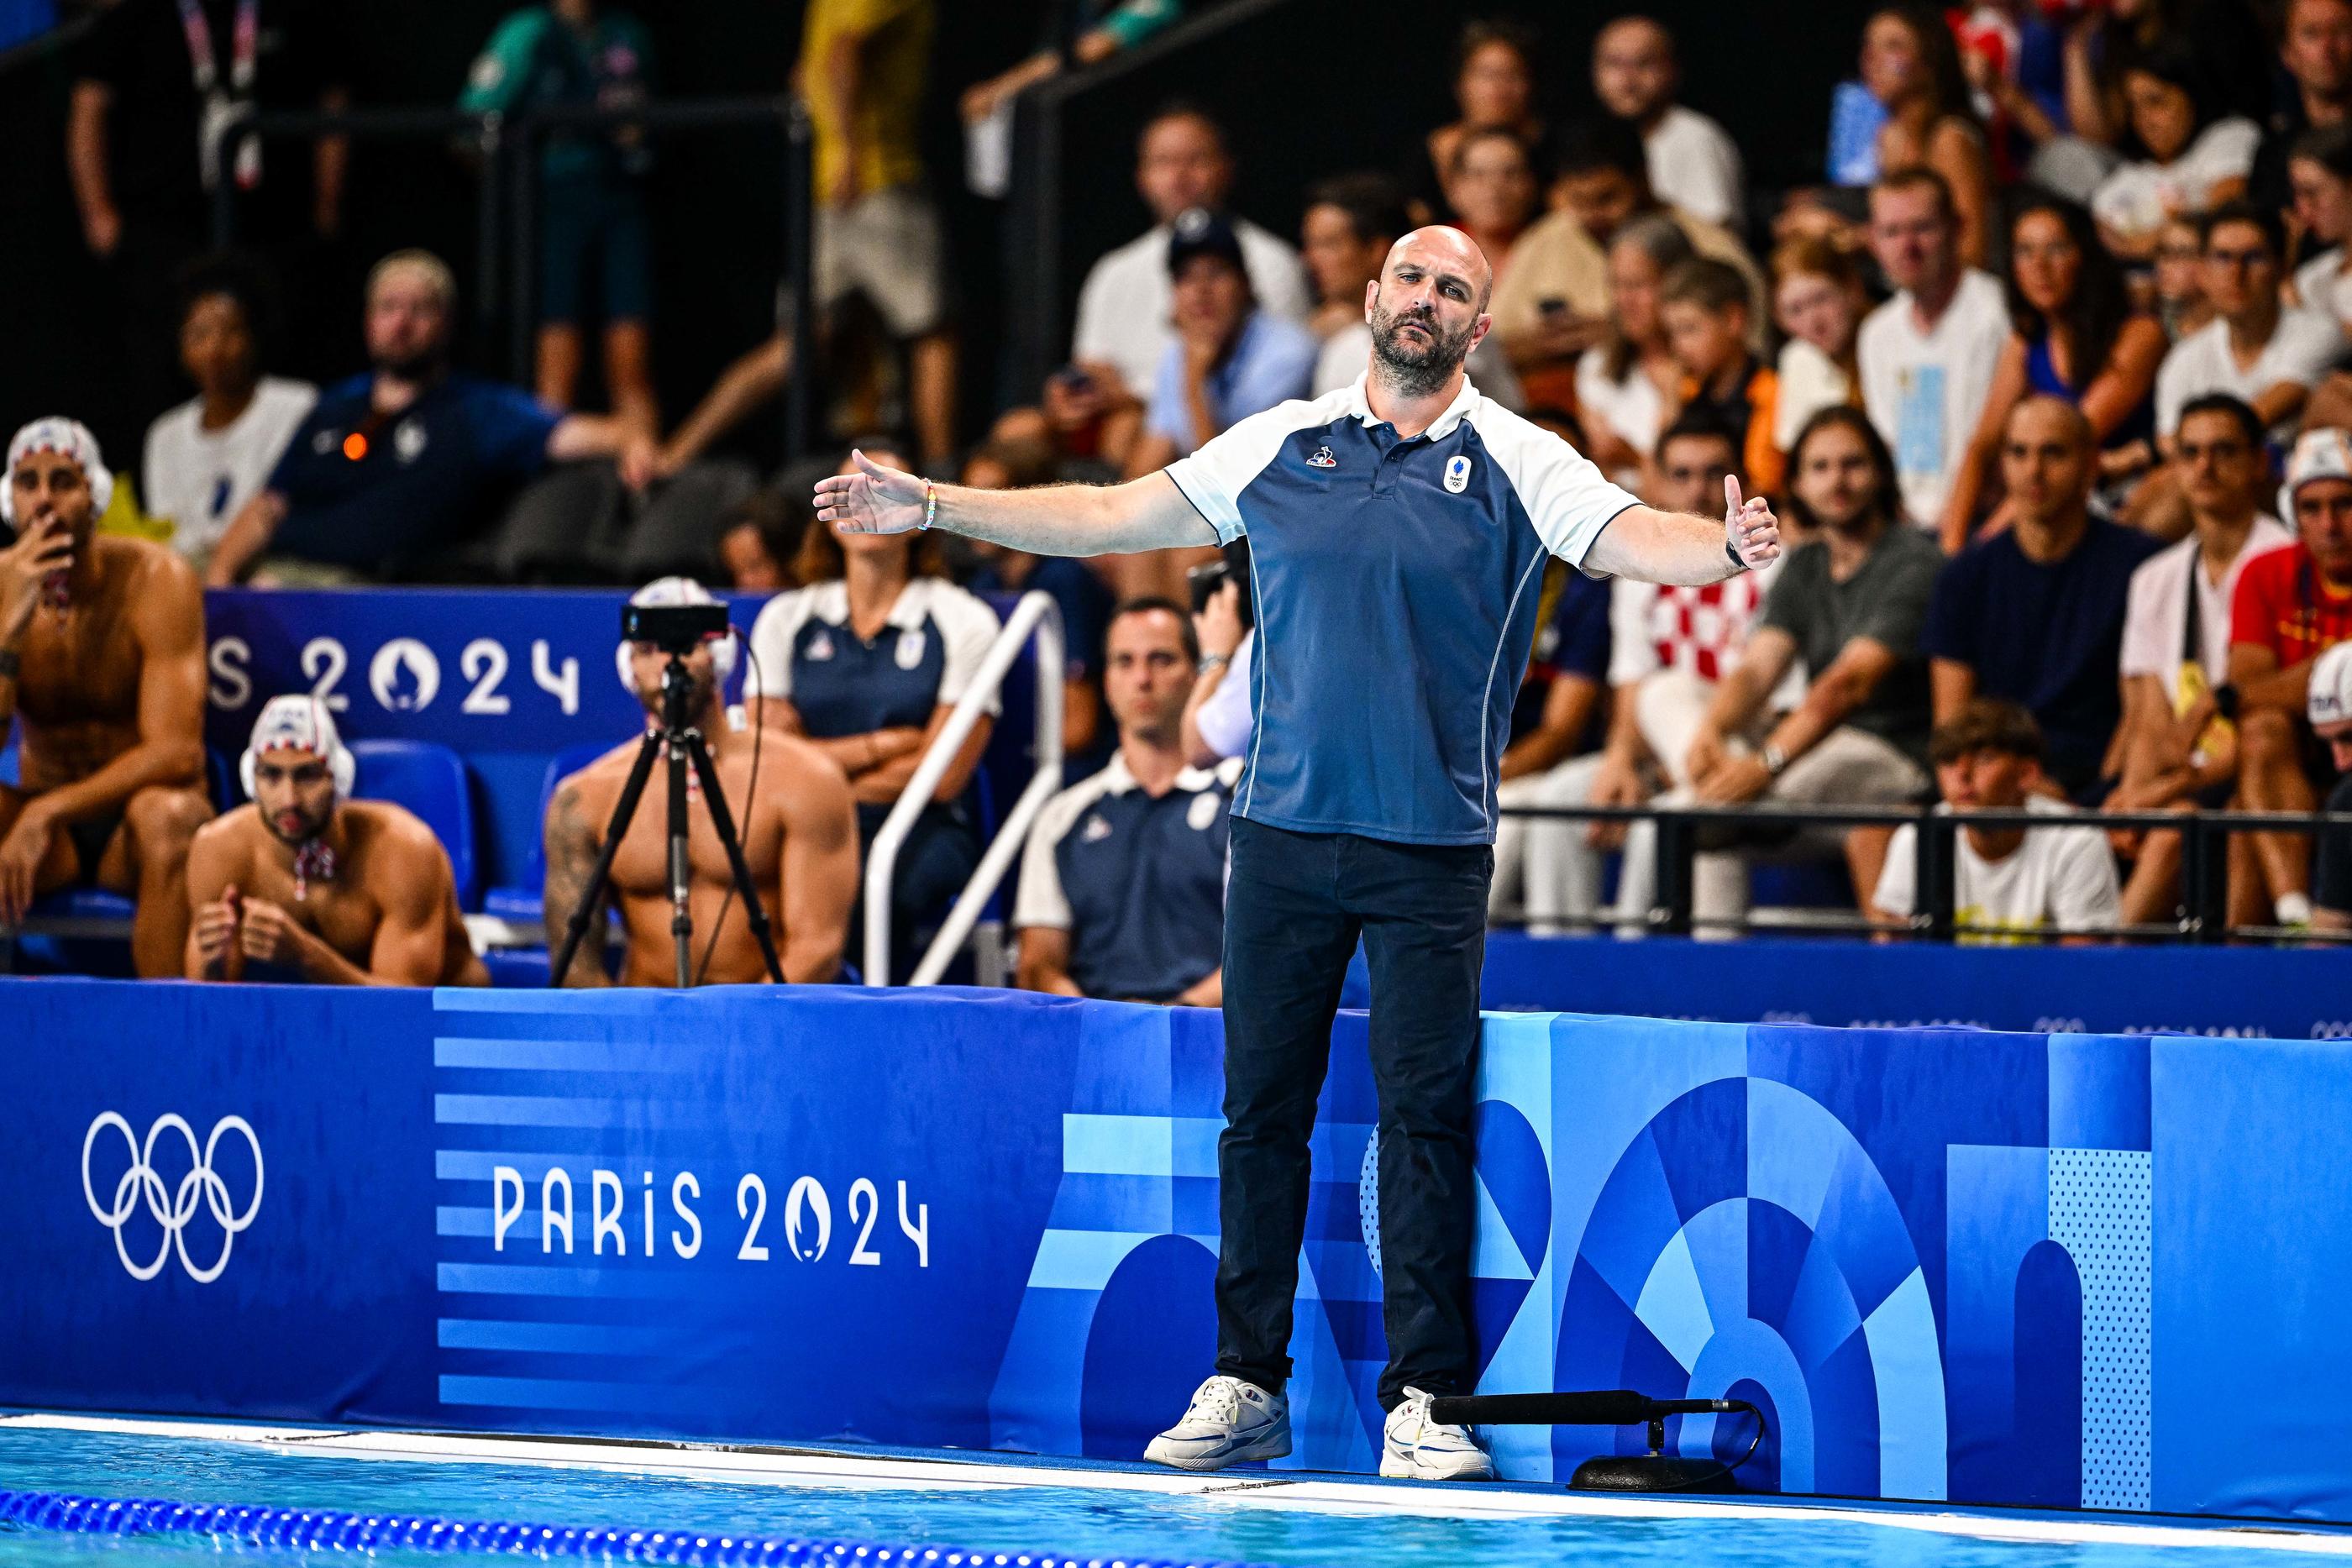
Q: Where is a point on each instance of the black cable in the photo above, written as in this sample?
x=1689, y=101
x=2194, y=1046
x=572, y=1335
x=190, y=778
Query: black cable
x=750, y=799
x=1725, y=1472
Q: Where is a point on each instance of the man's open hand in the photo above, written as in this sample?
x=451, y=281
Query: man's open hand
x=1753, y=532
x=873, y=500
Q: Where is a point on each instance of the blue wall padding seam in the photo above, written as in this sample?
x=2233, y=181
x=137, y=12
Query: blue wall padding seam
x=331, y=1530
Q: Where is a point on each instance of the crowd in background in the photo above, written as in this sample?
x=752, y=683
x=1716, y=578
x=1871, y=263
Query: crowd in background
x=2048, y=376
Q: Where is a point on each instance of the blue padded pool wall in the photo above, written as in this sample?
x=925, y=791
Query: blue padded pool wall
x=2059, y=1271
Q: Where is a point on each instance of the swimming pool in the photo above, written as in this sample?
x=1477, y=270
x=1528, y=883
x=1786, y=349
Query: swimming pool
x=996, y=1504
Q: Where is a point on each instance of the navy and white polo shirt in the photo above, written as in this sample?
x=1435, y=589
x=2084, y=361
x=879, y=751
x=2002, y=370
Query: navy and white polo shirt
x=1139, y=884
x=926, y=655
x=1397, y=586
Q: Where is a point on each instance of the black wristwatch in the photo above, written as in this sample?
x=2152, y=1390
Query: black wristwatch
x=1733, y=551
x=2225, y=701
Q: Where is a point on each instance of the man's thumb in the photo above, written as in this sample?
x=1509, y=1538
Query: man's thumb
x=872, y=469
x=1731, y=497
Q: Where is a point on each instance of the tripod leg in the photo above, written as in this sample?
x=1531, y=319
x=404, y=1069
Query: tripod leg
x=724, y=821
x=681, y=866
x=592, y=900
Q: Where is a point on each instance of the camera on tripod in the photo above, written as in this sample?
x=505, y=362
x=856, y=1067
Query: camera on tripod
x=677, y=629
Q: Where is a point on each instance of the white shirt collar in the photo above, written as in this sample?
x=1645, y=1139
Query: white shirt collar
x=829, y=602
x=1361, y=407
x=1119, y=780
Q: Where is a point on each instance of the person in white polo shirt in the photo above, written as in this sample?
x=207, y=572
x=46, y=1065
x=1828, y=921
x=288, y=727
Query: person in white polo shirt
x=1694, y=164
x=2255, y=347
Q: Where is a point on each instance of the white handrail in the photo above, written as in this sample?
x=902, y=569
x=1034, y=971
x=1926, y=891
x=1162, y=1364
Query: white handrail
x=1035, y=613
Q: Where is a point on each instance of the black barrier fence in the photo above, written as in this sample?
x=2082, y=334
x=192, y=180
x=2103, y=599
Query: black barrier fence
x=1684, y=832
x=508, y=205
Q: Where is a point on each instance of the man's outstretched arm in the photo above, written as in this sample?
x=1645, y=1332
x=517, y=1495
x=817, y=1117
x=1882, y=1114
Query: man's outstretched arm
x=1143, y=514
x=1676, y=547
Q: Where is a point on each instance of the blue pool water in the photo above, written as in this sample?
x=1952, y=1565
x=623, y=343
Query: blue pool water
x=1073, y=1520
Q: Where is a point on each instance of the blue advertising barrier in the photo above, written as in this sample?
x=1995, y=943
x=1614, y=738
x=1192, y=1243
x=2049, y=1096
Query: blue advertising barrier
x=2059, y=1271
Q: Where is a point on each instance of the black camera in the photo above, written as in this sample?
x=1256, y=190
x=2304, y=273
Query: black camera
x=1234, y=566
x=677, y=628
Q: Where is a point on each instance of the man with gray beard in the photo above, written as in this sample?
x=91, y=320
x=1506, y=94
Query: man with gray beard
x=1398, y=530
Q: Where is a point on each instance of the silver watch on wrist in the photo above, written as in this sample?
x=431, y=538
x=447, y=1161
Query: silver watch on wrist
x=1774, y=758
x=1214, y=662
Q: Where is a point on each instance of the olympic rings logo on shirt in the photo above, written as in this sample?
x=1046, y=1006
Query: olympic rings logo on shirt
x=172, y=1208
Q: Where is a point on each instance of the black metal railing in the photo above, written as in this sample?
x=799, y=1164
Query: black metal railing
x=1684, y=832
x=507, y=211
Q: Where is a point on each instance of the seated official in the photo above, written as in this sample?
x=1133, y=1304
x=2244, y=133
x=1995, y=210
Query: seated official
x=2010, y=885
x=1123, y=883
x=102, y=666
x=306, y=884
x=868, y=661
x=798, y=829
x=394, y=469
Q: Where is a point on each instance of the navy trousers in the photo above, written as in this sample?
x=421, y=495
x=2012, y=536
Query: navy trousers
x=1295, y=907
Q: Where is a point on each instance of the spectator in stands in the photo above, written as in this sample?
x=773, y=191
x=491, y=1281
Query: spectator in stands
x=868, y=661
x=2316, y=48
x=1704, y=305
x=2034, y=614
x=2320, y=174
x=2254, y=348
x=1219, y=716
x=1847, y=608
x=2291, y=605
x=1553, y=304
x=1490, y=192
x=102, y=667
x=793, y=817
x=2191, y=160
x=1077, y=592
x=761, y=537
x=306, y=884
x=153, y=81
x=861, y=73
x=2177, y=639
x=1692, y=164
x=1494, y=89
x=1230, y=358
x=1668, y=647
x=591, y=211
x=2010, y=886
x=1818, y=300
x=2181, y=302
x=1124, y=327
x=1911, y=66
x=2073, y=336
x=1556, y=730
x=1628, y=387
x=1927, y=355
x=397, y=468
x=1123, y=883
x=207, y=458
x=1114, y=26
x=2330, y=712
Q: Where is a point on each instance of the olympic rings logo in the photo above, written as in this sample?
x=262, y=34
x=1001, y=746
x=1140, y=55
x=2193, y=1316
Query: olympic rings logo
x=172, y=1208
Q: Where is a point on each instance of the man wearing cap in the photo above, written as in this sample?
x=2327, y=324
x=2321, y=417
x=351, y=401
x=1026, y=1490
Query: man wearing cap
x=306, y=884
x=1398, y=530
x=792, y=811
x=102, y=666
x=2330, y=711
x=2291, y=605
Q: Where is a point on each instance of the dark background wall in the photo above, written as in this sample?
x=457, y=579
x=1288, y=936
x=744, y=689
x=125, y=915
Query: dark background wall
x=1310, y=88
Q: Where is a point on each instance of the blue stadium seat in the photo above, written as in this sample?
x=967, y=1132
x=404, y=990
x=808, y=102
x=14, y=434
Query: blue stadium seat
x=522, y=903
x=429, y=780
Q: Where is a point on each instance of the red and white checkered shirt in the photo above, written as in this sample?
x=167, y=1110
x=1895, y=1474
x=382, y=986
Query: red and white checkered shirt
x=1698, y=631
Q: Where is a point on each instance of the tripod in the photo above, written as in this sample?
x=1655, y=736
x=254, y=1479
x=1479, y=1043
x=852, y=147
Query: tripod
x=679, y=742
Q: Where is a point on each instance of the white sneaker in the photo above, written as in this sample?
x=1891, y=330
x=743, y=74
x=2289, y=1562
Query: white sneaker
x=1229, y=1422
x=1414, y=1447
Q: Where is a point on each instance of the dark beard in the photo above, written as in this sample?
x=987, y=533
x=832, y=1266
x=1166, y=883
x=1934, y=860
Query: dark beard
x=417, y=369
x=1415, y=374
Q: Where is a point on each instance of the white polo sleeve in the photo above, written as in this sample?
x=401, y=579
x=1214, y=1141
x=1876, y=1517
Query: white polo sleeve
x=1567, y=498
x=967, y=626
x=1041, y=901
x=772, y=634
x=1225, y=719
x=1213, y=477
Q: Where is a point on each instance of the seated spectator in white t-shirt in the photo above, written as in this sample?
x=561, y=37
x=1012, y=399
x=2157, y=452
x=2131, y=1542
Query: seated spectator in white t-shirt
x=1230, y=358
x=1818, y=300
x=2010, y=886
x=2255, y=347
x=1123, y=328
x=1122, y=884
x=1926, y=356
x=2189, y=160
x=1219, y=714
x=2177, y=639
x=2328, y=705
x=2319, y=172
x=1630, y=385
x=1694, y=164
x=209, y=456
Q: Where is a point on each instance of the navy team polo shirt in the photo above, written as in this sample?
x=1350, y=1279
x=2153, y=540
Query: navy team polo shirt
x=1138, y=882
x=841, y=683
x=1397, y=585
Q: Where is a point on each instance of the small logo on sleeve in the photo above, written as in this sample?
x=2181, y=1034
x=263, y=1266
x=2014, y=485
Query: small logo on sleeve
x=1457, y=474
x=1322, y=459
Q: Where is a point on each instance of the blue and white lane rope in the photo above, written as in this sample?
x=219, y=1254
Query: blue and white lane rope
x=330, y=1530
